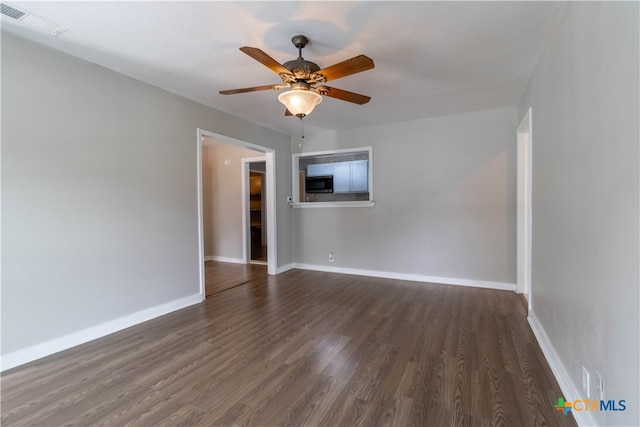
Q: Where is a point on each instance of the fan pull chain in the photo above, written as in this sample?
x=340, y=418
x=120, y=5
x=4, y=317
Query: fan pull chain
x=302, y=136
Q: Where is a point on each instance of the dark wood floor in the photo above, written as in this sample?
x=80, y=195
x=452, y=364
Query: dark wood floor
x=303, y=348
x=220, y=276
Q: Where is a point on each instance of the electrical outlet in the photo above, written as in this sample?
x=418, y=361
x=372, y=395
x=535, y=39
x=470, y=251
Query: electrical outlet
x=585, y=382
x=331, y=257
x=600, y=385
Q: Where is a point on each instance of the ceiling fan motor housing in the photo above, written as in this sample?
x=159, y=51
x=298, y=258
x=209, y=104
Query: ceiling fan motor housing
x=301, y=68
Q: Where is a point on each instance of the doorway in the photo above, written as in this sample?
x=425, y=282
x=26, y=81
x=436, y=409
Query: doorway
x=524, y=193
x=255, y=210
x=269, y=197
x=257, y=216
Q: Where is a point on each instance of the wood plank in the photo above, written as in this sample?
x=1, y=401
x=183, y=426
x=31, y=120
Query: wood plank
x=302, y=348
x=221, y=276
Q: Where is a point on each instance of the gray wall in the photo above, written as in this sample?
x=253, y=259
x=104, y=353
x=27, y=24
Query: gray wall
x=222, y=198
x=99, y=193
x=445, y=200
x=584, y=98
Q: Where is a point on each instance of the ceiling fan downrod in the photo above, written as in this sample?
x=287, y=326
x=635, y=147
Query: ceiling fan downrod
x=300, y=42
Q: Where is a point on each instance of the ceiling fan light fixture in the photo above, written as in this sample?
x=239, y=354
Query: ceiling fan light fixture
x=299, y=101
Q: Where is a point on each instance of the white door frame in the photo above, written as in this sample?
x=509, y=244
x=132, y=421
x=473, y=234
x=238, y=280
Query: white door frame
x=524, y=192
x=271, y=199
x=246, y=219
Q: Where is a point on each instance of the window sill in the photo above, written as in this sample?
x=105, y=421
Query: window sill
x=355, y=204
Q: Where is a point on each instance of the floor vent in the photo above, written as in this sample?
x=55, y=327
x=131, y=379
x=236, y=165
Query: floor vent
x=31, y=20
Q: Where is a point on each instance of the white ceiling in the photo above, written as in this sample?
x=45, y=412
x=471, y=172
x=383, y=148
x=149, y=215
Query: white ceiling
x=431, y=58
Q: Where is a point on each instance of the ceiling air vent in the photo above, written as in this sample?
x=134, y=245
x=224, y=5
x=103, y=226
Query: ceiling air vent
x=31, y=20
x=11, y=12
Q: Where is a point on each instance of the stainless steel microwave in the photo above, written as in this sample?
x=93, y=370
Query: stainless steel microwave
x=319, y=184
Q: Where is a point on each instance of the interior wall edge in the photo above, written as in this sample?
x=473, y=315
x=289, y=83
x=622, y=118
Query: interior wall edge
x=285, y=268
x=569, y=389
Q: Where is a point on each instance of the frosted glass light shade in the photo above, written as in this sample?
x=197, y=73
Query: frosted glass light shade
x=300, y=102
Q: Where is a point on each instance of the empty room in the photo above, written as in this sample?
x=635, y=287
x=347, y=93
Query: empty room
x=320, y=213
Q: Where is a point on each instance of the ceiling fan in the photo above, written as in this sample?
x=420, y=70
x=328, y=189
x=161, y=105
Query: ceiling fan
x=306, y=79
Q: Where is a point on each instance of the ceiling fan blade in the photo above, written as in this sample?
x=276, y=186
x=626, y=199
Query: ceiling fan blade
x=345, y=95
x=250, y=89
x=354, y=65
x=287, y=112
x=265, y=59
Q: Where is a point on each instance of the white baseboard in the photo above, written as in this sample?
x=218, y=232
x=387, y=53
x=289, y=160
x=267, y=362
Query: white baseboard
x=225, y=259
x=279, y=270
x=284, y=268
x=47, y=348
x=569, y=390
x=410, y=277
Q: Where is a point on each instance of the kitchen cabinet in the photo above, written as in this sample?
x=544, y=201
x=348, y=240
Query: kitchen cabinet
x=348, y=177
